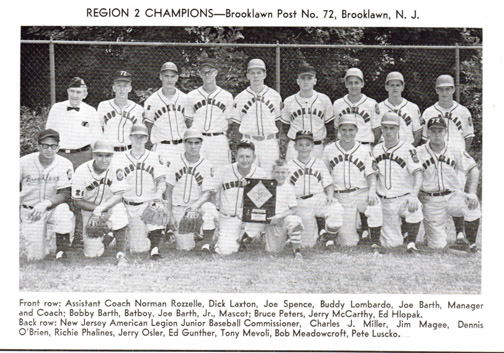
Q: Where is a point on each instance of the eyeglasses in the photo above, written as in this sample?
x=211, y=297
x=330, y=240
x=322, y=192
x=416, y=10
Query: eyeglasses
x=46, y=146
x=206, y=73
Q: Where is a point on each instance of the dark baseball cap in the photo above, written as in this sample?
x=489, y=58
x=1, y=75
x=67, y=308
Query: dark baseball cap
x=302, y=134
x=436, y=122
x=124, y=76
x=306, y=70
x=48, y=133
x=207, y=62
x=77, y=82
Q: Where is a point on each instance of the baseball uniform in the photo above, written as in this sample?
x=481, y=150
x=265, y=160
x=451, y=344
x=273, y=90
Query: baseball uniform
x=396, y=166
x=210, y=113
x=256, y=113
x=96, y=188
x=367, y=113
x=117, y=121
x=309, y=181
x=441, y=193
x=188, y=180
x=39, y=183
x=167, y=117
x=307, y=114
x=349, y=171
x=410, y=118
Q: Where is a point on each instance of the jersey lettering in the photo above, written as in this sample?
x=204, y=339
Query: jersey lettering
x=391, y=157
x=356, y=110
x=347, y=158
x=189, y=171
x=454, y=119
x=442, y=159
x=113, y=114
x=38, y=180
x=96, y=183
x=168, y=108
x=303, y=111
x=209, y=101
x=139, y=166
x=262, y=100
x=305, y=171
x=232, y=184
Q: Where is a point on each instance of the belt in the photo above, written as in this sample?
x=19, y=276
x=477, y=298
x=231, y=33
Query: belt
x=305, y=197
x=174, y=142
x=391, y=198
x=260, y=138
x=85, y=148
x=365, y=143
x=316, y=143
x=131, y=203
x=122, y=148
x=213, y=133
x=28, y=207
x=345, y=191
x=441, y=193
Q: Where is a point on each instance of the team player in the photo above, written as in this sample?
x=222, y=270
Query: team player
x=45, y=180
x=354, y=178
x=118, y=115
x=399, y=181
x=257, y=111
x=91, y=187
x=307, y=110
x=210, y=112
x=144, y=175
x=441, y=194
x=314, y=192
x=188, y=175
x=365, y=109
x=165, y=114
x=410, y=130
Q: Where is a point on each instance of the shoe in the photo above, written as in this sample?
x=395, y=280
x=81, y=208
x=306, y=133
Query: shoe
x=245, y=240
x=207, y=248
x=61, y=255
x=323, y=235
x=460, y=236
x=364, y=241
x=473, y=248
x=122, y=260
x=198, y=237
x=377, y=248
x=154, y=254
x=411, y=248
x=298, y=255
x=329, y=245
x=108, y=239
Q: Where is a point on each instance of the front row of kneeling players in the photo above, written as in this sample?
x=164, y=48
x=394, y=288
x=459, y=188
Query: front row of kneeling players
x=392, y=188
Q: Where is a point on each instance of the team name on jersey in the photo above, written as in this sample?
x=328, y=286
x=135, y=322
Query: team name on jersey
x=50, y=179
x=304, y=111
x=262, y=100
x=168, y=108
x=390, y=156
x=132, y=167
x=442, y=159
x=232, y=184
x=209, y=101
x=189, y=171
x=96, y=183
x=347, y=158
x=454, y=119
x=356, y=110
x=305, y=171
x=407, y=119
x=113, y=114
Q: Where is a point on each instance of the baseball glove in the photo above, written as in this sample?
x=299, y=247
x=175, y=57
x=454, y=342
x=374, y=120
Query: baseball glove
x=97, y=227
x=190, y=223
x=458, y=248
x=156, y=213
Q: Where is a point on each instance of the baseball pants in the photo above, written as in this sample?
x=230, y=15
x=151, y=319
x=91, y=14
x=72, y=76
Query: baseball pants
x=35, y=232
x=230, y=231
x=353, y=203
x=210, y=215
x=318, y=151
x=168, y=151
x=93, y=247
x=393, y=211
x=317, y=206
x=267, y=153
x=438, y=209
x=138, y=241
x=276, y=234
x=216, y=150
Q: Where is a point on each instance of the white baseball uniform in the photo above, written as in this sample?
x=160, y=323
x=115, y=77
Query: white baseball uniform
x=168, y=119
x=39, y=183
x=307, y=114
x=410, y=117
x=117, y=121
x=257, y=113
x=366, y=112
x=210, y=113
x=309, y=181
x=229, y=183
x=96, y=188
x=396, y=166
x=138, y=176
x=441, y=193
x=349, y=171
x=189, y=180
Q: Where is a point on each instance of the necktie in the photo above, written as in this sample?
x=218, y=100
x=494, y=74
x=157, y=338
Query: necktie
x=73, y=108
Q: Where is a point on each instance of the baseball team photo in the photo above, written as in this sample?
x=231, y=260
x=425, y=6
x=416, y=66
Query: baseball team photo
x=251, y=160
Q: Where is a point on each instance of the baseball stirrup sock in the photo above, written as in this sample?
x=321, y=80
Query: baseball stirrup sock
x=295, y=239
x=375, y=234
x=363, y=220
x=120, y=236
x=404, y=227
x=412, y=229
x=155, y=238
x=472, y=230
x=320, y=223
x=459, y=224
x=208, y=236
x=62, y=242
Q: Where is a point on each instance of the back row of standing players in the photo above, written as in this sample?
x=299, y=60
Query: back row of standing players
x=259, y=117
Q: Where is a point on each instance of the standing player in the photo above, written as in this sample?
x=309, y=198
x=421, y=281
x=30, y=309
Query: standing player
x=119, y=114
x=410, y=130
x=441, y=194
x=91, y=187
x=399, y=181
x=365, y=109
x=45, y=181
x=165, y=114
x=188, y=175
x=145, y=175
x=257, y=111
x=307, y=110
x=211, y=113
x=354, y=178
x=314, y=192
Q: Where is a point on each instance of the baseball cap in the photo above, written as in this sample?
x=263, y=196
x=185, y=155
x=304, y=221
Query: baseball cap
x=306, y=70
x=303, y=134
x=347, y=119
x=394, y=75
x=48, y=133
x=436, y=122
x=102, y=146
x=354, y=72
x=256, y=64
x=122, y=76
x=77, y=82
x=390, y=118
x=139, y=129
x=193, y=133
x=169, y=66
x=208, y=63
x=445, y=81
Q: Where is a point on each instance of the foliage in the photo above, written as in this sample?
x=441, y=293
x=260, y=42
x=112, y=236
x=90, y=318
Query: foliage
x=31, y=123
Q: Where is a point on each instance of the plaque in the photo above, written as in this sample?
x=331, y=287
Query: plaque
x=259, y=200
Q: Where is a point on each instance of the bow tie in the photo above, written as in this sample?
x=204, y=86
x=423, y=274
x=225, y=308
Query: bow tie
x=73, y=108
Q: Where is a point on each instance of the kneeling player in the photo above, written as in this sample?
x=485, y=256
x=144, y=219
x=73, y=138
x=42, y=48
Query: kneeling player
x=441, y=193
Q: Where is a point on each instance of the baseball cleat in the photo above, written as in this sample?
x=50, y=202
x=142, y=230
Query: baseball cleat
x=411, y=248
x=298, y=255
x=377, y=248
x=154, y=254
x=364, y=241
x=207, y=248
x=108, y=239
x=61, y=255
x=121, y=259
x=330, y=244
x=473, y=248
x=323, y=235
x=460, y=236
